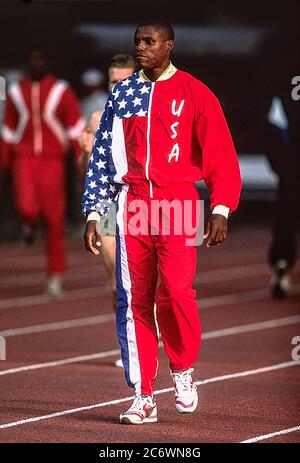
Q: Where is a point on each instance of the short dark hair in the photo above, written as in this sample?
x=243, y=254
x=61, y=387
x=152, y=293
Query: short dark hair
x=166, y=28
x=122, y=60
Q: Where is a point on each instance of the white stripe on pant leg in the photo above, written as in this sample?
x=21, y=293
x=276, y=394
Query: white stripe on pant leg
x=155, y=320
x=134, y=364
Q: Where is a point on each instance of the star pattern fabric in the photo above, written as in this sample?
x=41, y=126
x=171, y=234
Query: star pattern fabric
x=131, y=97
x=128, y=98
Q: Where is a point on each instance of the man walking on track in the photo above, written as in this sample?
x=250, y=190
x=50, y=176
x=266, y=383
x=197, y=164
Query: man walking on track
x=162, y=130
x=42, y=116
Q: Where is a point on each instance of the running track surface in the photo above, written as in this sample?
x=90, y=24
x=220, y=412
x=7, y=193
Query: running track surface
x=59, y=382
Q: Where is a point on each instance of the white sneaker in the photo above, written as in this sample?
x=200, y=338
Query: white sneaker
x=186, y=397
x=54, y=286
x=280, y=280
x=29, y=234
x=119, y=363
x=143, y=410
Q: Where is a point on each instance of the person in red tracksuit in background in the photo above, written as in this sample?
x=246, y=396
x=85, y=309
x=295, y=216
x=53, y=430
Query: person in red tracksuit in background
x=42, y=119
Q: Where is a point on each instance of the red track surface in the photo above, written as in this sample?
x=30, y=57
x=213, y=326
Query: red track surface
x=232, y=283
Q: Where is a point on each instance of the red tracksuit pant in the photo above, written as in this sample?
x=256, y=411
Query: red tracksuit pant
x=157, y=266
x=39, y=187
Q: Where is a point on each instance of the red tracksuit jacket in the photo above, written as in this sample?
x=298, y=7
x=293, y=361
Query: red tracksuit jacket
x=40, y=119
x=159, y=133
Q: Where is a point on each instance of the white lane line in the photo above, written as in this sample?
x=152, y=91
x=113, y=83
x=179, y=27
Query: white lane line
x=269, y=436
x=266, y=325
x=78, y=322
x=161, y=391
x=39, y=299
x=56, y=363
x=242, y=296
x=205, y=336
x=225, y=274
x=31, y=279
x=95, y=291
x=74, y=274
x=34, y=278
x=110, y=317
x=38, y=251
x=232, y=273
x=37, y=255
x=11, y=263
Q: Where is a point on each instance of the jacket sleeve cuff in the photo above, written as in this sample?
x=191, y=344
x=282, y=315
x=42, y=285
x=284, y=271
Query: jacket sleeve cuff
x=93, y=216
x=222, y=210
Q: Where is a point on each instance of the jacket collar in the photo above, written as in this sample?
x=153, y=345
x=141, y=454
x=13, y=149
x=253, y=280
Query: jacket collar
x=168, y=72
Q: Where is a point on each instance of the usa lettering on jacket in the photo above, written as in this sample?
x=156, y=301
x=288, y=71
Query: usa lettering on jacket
x=177, y=112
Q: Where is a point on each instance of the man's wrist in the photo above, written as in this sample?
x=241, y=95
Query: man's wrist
x=222, y=210
x=94, y=215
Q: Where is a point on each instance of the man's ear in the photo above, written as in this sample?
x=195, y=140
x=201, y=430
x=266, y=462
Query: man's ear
x=170, y=45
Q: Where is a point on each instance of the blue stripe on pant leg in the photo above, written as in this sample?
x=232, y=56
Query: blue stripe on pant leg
x=122, y=307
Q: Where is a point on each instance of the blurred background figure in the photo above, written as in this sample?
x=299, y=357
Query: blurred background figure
x=120, y=67
x=42, y=116
x=9, y=76
x=94, y=96
x=282, y=122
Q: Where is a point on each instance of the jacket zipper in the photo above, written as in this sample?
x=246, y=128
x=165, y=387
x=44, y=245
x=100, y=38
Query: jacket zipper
x=148, y=141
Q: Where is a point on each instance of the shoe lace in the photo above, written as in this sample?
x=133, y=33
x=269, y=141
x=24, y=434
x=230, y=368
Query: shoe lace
x=183, y=380
x=139, y=402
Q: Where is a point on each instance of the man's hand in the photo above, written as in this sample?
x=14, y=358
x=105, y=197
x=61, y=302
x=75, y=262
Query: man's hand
x=216, y=231
x=92, y=237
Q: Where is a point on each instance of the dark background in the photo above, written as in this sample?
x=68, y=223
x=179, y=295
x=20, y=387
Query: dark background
x=239, y=80
x=243, y=79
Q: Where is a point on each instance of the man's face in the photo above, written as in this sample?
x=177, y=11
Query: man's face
x=117, y=74
x=152, y=47
x=37, y=66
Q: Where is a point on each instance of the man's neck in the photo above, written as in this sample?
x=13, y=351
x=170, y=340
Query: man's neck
x=154, y=74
